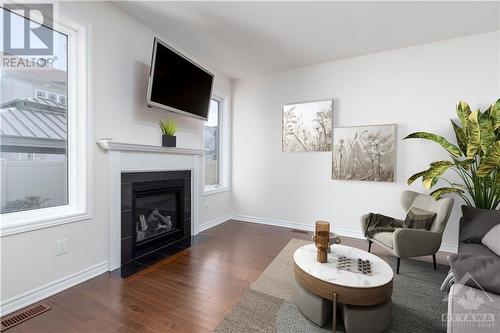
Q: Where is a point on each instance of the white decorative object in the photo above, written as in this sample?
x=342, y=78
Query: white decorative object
x=492, y=239
x=305, y=258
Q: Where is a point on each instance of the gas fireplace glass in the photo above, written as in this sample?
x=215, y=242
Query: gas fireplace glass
x=155, y=214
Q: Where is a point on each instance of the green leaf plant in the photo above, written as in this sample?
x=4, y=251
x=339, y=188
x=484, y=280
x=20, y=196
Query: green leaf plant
x=168, y=127
x=475, y=158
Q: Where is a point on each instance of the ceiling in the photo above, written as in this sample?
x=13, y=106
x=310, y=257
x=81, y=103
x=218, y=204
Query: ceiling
x=241, y=39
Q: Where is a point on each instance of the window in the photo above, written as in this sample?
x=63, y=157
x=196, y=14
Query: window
x=52, y=97
x=215, y=166
x=212, y=144
x=45, y=169
x=41, y=93
x=62, y=100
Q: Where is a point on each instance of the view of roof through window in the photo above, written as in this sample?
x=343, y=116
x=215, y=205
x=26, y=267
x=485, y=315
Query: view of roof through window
x=33, y=125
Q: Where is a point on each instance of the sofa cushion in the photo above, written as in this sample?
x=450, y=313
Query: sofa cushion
x=492, y=239
x=386, y=238
x=476, y=271
x=476, y=222
x=475, y=248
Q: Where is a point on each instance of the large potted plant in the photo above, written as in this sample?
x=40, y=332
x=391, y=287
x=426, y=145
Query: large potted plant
x=475, y=158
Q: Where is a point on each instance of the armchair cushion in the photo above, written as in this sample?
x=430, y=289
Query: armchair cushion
x=419, y=219
x=442, y=208
x=386, y=238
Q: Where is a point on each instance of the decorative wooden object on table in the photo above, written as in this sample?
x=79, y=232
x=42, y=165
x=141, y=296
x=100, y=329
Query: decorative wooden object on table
x=322, y=240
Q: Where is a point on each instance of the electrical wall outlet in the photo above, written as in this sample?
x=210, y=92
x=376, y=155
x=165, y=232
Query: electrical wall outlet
x=61, y=247
x=206, y=206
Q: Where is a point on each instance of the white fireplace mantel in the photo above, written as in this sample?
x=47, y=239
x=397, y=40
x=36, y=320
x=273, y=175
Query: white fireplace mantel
x=107, y=144
x=130, y=157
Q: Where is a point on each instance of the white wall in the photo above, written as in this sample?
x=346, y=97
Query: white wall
x=416, y=88
x=121, y=55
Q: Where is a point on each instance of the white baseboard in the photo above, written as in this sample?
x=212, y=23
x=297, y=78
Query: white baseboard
x=294, y=225
x=35, y=295
x=213, y=223
x=310, y=227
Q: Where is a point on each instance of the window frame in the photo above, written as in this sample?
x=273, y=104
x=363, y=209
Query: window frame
x=79, y=153
x=223, y=165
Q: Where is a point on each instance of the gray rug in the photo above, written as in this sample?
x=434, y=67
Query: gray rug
x=418, y=304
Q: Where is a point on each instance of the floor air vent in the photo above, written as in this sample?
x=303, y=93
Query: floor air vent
x=299, y=231
x=23, y=315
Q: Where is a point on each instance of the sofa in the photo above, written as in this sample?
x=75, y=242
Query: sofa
x=470, y=307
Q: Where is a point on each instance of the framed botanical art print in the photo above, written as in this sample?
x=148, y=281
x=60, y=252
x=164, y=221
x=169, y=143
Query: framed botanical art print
x=364, y=153
x=307, y=126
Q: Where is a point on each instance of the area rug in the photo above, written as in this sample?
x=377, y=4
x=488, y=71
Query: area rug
x=267, y=306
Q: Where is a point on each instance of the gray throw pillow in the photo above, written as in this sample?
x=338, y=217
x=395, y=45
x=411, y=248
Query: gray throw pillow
x=419, y=219
x=476, y=222
x=483, y=270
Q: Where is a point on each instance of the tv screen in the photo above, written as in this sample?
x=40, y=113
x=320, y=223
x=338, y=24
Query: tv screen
x=177, y=83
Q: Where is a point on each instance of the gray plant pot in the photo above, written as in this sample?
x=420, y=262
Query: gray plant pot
x=168, y=140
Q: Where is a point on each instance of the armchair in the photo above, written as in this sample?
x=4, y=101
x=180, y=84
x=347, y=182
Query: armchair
x=409, y=243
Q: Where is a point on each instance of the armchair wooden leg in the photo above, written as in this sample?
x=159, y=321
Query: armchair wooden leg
x=399, y=261
x=369, y=245
x=434, y=261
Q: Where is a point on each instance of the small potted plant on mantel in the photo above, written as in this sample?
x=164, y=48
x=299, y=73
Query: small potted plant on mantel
x=168, y=128
x=475, y=159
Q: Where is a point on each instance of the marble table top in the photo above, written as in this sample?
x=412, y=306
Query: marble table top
x=305, y=259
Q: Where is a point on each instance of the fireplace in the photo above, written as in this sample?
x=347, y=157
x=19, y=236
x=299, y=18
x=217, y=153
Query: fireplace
x=156, y=217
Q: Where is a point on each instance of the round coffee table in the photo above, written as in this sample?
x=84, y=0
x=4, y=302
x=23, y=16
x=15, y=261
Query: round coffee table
x=341, y=286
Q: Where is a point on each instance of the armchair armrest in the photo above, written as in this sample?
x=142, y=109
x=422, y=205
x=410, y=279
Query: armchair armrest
x=416, y=242
x=364, y=223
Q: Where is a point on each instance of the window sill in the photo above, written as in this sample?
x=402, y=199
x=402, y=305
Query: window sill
x=16, y=223
x=208, y=190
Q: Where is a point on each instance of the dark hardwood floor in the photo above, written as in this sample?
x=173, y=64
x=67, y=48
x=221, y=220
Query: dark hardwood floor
x=189, y=292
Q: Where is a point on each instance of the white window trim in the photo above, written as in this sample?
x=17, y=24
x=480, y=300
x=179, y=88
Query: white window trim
x=79, y=205
x=224, y=147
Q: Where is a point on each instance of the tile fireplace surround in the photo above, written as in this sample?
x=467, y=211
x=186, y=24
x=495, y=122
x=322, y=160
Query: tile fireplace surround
x=125, y=158
x=152, y=194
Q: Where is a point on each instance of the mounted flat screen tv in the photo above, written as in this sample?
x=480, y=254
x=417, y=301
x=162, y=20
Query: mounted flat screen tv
x=177, y=83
